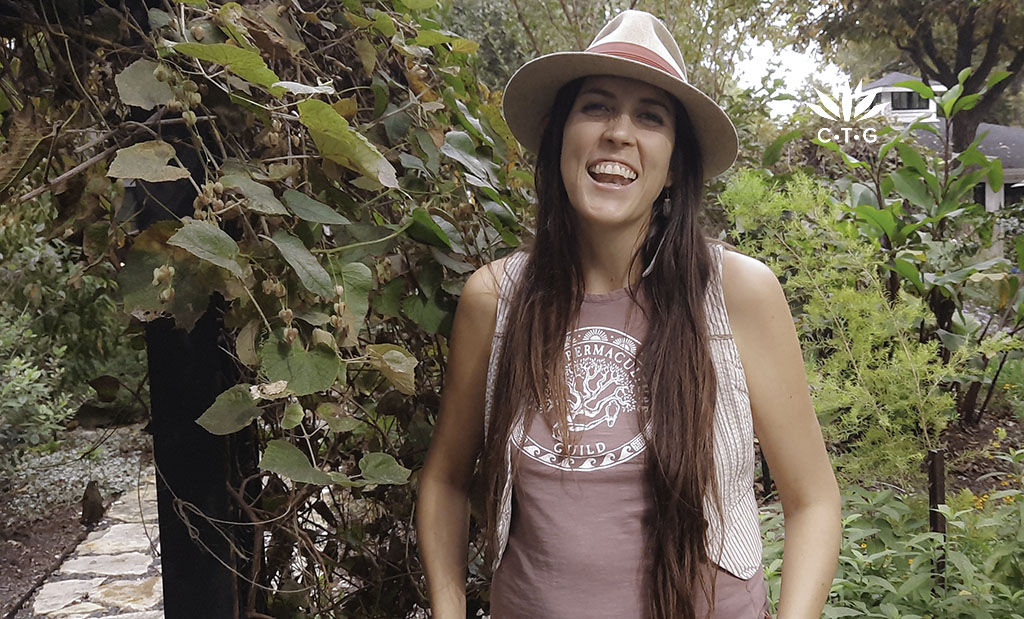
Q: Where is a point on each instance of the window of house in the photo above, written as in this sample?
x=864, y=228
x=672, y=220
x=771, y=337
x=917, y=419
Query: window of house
x=908, y=101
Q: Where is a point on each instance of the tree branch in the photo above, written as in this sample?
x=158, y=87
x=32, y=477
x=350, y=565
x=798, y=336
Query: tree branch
x=988, y=61
x=942, y=71
x=522, y=22
x=965, y=40
x=574, y=23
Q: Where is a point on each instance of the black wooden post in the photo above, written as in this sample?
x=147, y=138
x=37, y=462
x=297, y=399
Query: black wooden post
x=203, y=576
x=936, y=497
x=193, y=469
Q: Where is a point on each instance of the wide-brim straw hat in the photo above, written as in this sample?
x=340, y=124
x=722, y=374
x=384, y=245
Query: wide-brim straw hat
x=635, y=44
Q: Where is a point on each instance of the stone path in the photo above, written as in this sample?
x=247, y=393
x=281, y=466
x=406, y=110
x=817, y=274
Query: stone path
x=115, y=572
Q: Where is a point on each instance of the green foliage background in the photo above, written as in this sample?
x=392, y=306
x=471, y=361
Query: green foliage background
x=350, y=168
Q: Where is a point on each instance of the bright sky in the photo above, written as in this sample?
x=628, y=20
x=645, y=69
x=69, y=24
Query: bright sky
x=793, y=67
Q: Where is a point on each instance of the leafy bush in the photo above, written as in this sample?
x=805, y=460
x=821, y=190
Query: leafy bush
x=888, y=558
x=876, y=388
x=1011, y=386
x=32, y=405
x=346, y=172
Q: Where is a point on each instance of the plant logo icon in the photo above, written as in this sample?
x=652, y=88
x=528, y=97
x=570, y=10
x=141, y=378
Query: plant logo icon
x=846, y=105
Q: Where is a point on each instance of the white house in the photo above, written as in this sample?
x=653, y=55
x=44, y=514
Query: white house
x=904, y=106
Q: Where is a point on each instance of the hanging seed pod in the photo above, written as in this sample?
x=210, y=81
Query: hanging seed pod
x=291, y=334
x=162, y=74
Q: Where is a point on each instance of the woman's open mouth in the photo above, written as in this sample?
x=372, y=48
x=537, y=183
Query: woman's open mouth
x=612, y=173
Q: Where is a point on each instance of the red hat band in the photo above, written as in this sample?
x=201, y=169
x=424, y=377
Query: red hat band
x=632, y=51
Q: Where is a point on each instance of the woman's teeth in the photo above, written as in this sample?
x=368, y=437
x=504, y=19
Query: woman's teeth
x=608, y=172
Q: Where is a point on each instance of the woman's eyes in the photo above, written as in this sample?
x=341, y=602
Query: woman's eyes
x=596, y=108
x=652, y=117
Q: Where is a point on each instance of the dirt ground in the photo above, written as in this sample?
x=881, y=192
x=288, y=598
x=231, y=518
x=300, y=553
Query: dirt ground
x=31, y=550
x=969, y=451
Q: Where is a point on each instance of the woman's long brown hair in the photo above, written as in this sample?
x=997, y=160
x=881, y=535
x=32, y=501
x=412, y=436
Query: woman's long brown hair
x=675, y=369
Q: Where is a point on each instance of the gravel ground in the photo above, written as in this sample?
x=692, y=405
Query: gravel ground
x=45, y=482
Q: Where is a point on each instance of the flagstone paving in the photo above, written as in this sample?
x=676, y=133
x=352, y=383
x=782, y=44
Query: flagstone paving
x=115, y=572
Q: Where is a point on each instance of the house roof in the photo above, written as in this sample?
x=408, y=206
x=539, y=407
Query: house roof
x=888, y=81
x=1002, y=141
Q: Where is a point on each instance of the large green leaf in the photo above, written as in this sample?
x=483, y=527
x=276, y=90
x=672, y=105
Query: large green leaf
x=995, y=175
x=293, y=414
x=425, y=230
x=259, y=197
x=308, y=209
x=428, y=38
x=208, y=242
x=357, y=279
x=396, y=364
x=288, y=461
x=382, y=468
x=388, y=298
x=911, y=157
x=311, y=274
x=233, y=410
x=909, y=185
x=919, y=87
x=137, y=86
x=881, y=219
x=306, y=371
x=340, y=143
x=246, y=64
x=146, y=161
x=424, y=312
x=193, y=282
x=772, y=153
x=909, y=272
x=460, y=146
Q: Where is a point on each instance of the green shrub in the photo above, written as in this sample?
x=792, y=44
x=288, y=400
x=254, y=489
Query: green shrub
x=875, y=387
x=31, y=402
x=1011, y=386
x=888, y=557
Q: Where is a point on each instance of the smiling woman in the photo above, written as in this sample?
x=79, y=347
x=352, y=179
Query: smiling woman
x=612, y=374
x=617, y=144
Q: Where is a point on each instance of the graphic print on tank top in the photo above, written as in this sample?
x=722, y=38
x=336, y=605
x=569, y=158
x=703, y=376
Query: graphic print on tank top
x=602, y=401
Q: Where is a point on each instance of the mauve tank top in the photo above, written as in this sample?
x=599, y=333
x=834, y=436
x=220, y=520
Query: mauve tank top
x=575, y=545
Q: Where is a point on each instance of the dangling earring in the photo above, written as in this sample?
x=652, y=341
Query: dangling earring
x=666, y=205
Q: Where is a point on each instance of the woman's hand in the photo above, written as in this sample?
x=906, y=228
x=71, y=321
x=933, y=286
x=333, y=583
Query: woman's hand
x=442, y=513
x=788, y=431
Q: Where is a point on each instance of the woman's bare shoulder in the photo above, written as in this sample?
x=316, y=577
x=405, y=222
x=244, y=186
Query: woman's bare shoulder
x=747, y=284
x=486, y=280
x=479, y=299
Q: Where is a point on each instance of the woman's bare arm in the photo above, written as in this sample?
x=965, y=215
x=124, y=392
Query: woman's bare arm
x=442, y=512
x=788, y=431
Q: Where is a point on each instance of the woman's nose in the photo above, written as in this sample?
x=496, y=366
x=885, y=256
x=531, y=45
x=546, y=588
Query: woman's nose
x=619, y=129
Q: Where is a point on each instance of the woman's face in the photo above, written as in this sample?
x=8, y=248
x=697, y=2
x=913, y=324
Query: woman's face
x=616, y=148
